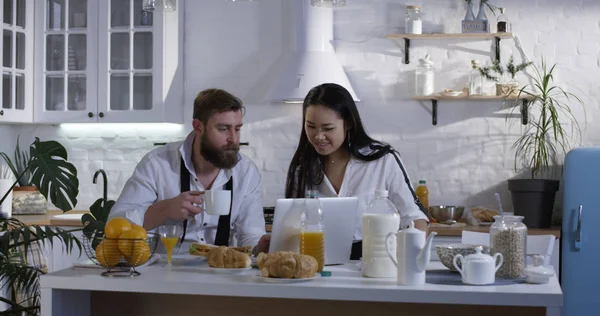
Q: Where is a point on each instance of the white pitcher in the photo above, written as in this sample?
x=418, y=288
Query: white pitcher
x=413, y=254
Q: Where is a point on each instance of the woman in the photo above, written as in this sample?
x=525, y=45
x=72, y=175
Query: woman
x=336, y=157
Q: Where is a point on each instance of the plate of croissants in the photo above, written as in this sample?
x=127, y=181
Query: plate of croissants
x=223, y=259
x=287, y=267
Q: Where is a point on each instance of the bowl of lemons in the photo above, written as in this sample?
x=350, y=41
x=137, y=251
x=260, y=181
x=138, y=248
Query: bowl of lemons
x=120, y=247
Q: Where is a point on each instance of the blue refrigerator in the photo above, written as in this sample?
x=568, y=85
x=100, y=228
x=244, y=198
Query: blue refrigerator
x=580, y=243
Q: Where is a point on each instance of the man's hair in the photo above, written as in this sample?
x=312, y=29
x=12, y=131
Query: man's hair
x=211, y=101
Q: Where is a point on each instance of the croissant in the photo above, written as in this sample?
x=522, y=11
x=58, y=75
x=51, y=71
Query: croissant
x=224, y=257
x=287, y=265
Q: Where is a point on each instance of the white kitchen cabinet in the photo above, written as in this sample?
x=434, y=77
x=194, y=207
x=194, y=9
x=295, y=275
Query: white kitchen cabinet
x=60, y=259
x=17, y=61
x=107, y=61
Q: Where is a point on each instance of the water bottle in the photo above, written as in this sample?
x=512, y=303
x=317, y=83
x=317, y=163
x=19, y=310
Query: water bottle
x=380, y=218
x=312, y=236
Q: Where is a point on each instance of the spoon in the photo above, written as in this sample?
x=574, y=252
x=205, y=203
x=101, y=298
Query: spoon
x=500, y=206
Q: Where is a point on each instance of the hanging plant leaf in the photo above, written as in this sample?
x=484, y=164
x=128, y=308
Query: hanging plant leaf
x=53, y=175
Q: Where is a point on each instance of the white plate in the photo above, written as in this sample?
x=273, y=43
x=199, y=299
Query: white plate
x=229, y=270
x=282, y=280
x=451, y=93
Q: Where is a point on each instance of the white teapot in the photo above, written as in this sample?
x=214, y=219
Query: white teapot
x=413, y=253
x=478, y=268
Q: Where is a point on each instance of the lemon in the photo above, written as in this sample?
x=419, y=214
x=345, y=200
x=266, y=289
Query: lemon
x=141, y=254
x=130, y=240
x=116, y=226
x=108, y=254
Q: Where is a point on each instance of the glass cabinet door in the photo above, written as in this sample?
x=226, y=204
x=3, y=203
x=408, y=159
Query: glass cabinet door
x=129, y=69
x=66, y=78
x=17, y=61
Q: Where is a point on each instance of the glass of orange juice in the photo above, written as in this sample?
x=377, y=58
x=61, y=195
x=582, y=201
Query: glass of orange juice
x=170, y=236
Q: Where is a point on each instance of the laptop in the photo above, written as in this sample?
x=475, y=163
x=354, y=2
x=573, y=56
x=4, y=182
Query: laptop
x=339, y=217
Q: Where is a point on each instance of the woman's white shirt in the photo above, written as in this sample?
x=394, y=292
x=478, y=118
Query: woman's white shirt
x=362, y=178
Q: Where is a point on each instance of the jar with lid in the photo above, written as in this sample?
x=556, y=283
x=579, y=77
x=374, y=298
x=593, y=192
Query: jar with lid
x=412, y=20
x=508, y=236
x=424, y=77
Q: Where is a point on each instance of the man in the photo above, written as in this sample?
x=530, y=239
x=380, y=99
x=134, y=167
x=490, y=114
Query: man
x=167, y=184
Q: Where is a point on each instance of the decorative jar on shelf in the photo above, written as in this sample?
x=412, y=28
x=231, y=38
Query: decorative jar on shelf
x=412, y=20
x=424, y=77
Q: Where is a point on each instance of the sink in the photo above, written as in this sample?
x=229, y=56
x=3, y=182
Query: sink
x=68, y=217
x=66, y=220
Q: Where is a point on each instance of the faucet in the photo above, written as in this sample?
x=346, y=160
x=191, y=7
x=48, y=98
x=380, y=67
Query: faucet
x=105, y=183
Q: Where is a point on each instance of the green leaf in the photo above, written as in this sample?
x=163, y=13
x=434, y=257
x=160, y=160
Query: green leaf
x=53, y=175
x=95, y=222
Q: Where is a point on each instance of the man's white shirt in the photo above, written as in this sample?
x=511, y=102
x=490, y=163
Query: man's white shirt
x=157, y=177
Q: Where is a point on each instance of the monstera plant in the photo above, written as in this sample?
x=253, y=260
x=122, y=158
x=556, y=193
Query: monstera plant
x=20, y=245
x=51, y=173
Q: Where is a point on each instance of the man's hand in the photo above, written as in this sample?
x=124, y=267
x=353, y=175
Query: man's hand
x=263, y=245
x=184, y=206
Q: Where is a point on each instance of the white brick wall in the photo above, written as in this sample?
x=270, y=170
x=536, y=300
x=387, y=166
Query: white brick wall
x=465, y=158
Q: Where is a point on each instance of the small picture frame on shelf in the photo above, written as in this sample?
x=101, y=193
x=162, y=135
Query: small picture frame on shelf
x=475, y=26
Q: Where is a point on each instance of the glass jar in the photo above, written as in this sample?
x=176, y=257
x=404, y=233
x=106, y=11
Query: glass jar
x=312, y=233
x=508, y=236
x=502, y=26
x=412, y=20
x=424, y=77
x=475, y=79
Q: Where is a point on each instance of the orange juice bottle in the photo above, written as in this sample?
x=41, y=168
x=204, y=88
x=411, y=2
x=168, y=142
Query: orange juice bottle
x=312, y=236
x=423, y=194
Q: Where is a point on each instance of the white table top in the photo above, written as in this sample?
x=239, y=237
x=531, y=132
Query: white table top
x=193, y=276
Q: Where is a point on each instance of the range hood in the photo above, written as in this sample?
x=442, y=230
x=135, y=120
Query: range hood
x=312, y=60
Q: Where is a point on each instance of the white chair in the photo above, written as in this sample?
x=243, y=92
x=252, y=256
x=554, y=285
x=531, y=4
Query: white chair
x=536, y=244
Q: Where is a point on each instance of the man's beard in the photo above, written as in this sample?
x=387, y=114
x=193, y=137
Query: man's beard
x=224, y=158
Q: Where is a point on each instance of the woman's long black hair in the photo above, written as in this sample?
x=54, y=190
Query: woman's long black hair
x=306, y=167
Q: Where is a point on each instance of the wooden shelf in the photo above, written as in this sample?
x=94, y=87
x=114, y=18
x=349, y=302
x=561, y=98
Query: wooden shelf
x=408, y=37
x=450, y=36
x=435, y=98
x=471, y=97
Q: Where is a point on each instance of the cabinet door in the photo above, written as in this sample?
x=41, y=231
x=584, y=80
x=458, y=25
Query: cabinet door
x=130, y=62
x=66, y=71
x=17, y=61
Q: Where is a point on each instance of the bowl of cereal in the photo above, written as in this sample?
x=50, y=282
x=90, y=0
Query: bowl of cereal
x=447, y=252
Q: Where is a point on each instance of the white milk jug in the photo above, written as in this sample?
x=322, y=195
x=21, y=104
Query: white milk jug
x=380, y=219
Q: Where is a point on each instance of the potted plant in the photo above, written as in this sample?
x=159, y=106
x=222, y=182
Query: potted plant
x=26, y=198
x=497, y=73
x=544, y=141
x=20, y=244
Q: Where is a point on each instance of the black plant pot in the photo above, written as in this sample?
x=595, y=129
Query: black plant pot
x=534, y=199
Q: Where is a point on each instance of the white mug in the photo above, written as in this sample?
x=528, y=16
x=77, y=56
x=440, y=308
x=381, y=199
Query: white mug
x=217, y=202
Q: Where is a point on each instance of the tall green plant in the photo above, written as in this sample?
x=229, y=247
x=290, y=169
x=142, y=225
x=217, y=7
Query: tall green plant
x=56, y=179
x=14, y=270
x=545, y=136
x=18, y=165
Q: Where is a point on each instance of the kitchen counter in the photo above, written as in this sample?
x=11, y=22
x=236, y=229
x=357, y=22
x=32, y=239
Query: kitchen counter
x=442, y=230
x=446, y=230
x=192, y=287
x=47, y=219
